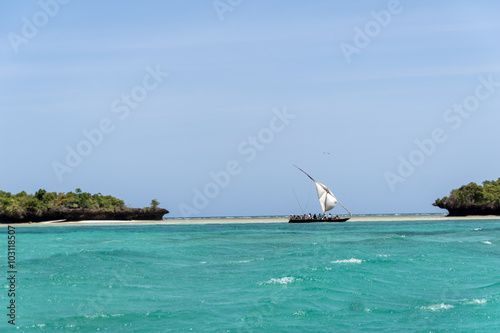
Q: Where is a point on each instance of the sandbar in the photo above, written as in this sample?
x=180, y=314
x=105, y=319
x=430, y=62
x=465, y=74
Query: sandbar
x=253, y=220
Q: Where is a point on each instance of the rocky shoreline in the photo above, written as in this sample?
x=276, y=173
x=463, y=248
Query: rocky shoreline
x=80, y=214
x=466, y=210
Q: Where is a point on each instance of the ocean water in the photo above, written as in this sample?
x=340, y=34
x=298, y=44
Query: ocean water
x=392, y=276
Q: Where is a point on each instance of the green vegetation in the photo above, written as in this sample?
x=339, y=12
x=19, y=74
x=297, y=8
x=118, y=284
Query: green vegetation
x=473, y=199
x=22, y=204
x=154, y=204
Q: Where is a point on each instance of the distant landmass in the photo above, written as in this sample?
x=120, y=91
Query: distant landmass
x=71, y=206
x=473, y=199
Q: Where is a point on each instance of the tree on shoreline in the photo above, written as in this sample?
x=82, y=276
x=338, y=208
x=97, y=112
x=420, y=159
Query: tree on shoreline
x=22, y=204
x=473, y=195
x=154, y=204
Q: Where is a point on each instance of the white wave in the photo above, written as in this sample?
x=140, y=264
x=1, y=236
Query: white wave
x=37, y=325
x=246, y=261
x=299, y=313
x=487, y=242
x=476, y=301
x=437, y=307
x=283, y=280
x=96, y=315
x=347, y=261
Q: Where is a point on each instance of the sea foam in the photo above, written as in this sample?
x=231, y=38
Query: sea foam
x=347, y=261
x=476, y=301
x=437, y=307
x=283, y=280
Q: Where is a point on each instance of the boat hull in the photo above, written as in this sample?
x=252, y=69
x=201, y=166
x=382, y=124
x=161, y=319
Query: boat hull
x=333, y=220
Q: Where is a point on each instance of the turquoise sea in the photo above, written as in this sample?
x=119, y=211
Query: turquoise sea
x=394, y=276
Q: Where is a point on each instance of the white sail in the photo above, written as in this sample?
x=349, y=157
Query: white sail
x=326, y=198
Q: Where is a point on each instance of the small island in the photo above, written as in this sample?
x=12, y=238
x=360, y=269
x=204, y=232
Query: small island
x=71, y=206
x=473, y=199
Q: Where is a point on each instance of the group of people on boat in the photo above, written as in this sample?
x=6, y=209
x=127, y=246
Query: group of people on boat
x=314, y=217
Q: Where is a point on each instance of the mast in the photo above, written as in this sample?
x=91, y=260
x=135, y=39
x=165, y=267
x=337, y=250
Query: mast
x=304, y=172
x=298, y=202
x=345, y=208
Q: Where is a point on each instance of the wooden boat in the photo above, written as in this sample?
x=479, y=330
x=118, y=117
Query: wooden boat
x=327, y=220
x=327, y=201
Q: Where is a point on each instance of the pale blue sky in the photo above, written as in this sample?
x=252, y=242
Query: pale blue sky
x=352, y=120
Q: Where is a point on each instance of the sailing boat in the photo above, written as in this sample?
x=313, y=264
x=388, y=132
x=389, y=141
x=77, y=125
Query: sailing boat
x=327, y=201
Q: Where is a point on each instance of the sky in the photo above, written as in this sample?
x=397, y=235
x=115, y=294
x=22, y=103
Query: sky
x=207, y=105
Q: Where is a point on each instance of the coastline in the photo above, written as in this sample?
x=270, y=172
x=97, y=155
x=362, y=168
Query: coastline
x=254, y=220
